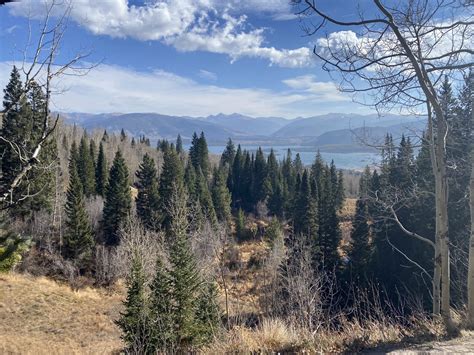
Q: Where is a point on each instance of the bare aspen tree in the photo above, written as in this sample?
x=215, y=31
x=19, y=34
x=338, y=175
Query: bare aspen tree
x=41, y=67
x=470, y=276
x=397, y=58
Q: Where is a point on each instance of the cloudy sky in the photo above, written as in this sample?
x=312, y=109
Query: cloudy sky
x=184, y=57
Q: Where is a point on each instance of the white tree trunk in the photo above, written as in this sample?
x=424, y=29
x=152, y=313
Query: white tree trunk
x=470, y=276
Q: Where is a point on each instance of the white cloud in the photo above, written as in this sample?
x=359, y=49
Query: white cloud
x=117, y=89
x=207, y=75
x=187, y=25
x=321, y=91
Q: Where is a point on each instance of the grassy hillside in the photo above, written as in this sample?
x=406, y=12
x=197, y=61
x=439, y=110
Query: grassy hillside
x=43, y=317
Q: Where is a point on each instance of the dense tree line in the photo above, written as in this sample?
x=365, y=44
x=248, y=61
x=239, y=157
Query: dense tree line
x=399, y=197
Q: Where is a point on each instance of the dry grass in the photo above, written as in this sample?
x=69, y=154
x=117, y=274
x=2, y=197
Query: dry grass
x=43, y=317
x=276, y=335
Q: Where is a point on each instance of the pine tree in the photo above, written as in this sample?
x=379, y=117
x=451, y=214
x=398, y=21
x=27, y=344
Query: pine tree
x=78, y=239
x=240, y=229
x=199, y=154
x=329, y=235
x=23, y=125
x=360, y=253
x=14, y=124
x=101, y=172
x=184, y=273
x=179, y=145
x=234, y=180
x=171, y=178
x=118, y=200
x=260, y=174
x=39, y=181
x=204, y=197
x=207, y=313
x=305, y=219
x=190, y=180
x=134, y=320
x=228, y=155
x=85, y=168
x=93, y=154
x=162, y=325
x=147, y=201
x=221, y=196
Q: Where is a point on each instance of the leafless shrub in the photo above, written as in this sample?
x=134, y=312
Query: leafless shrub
x=134, y=238
x=94, y=208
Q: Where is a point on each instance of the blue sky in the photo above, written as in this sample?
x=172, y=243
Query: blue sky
x=185, y=57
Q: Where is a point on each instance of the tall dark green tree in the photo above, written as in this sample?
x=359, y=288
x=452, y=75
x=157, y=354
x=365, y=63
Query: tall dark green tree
x=171, y=178
x=162, y=325
x=85, y=168
x=203, y=195
x=221, y=196
x=184, y=274
x=101, y=172
x=23, y=126
x=79, y=238
x=259, y=177
x=147, y=201
x=361, y=248
x=179, y=145
x=134, y=320
x=14, y=126
x=40, y=180
x=228, y=155
x=118, y=200
x=199, y=154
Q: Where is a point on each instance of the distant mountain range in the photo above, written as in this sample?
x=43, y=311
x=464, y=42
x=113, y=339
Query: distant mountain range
x=331, y=132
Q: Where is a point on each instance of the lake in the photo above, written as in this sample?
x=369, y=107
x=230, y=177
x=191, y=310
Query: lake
x=356, y=161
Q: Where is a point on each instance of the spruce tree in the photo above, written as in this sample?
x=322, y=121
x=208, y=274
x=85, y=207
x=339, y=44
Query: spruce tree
x=134, y=320
x=208, y=314
x=14, y=124
x=199, y=154
x=39, y=181
x=118, y=200
x=93, y=154
x=179, y=145
x=305, y=220
x=78, y=239
x=228, y=155
x=184, y=273
x=221, y=196
x=259, y=177
x=234, y=180
x=171, y=178
x=204, y=197
x=162, y=325
x=101, y=172
x=240, y=229
x=147, y=201
x=360, y=252
x=85, y=168
x=23, y=125
x=329, y=234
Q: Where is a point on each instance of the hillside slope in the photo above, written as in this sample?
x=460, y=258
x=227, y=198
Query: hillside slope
x=41, y=316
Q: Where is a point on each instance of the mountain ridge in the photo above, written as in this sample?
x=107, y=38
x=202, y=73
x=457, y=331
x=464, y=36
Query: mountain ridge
x=317, y=131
